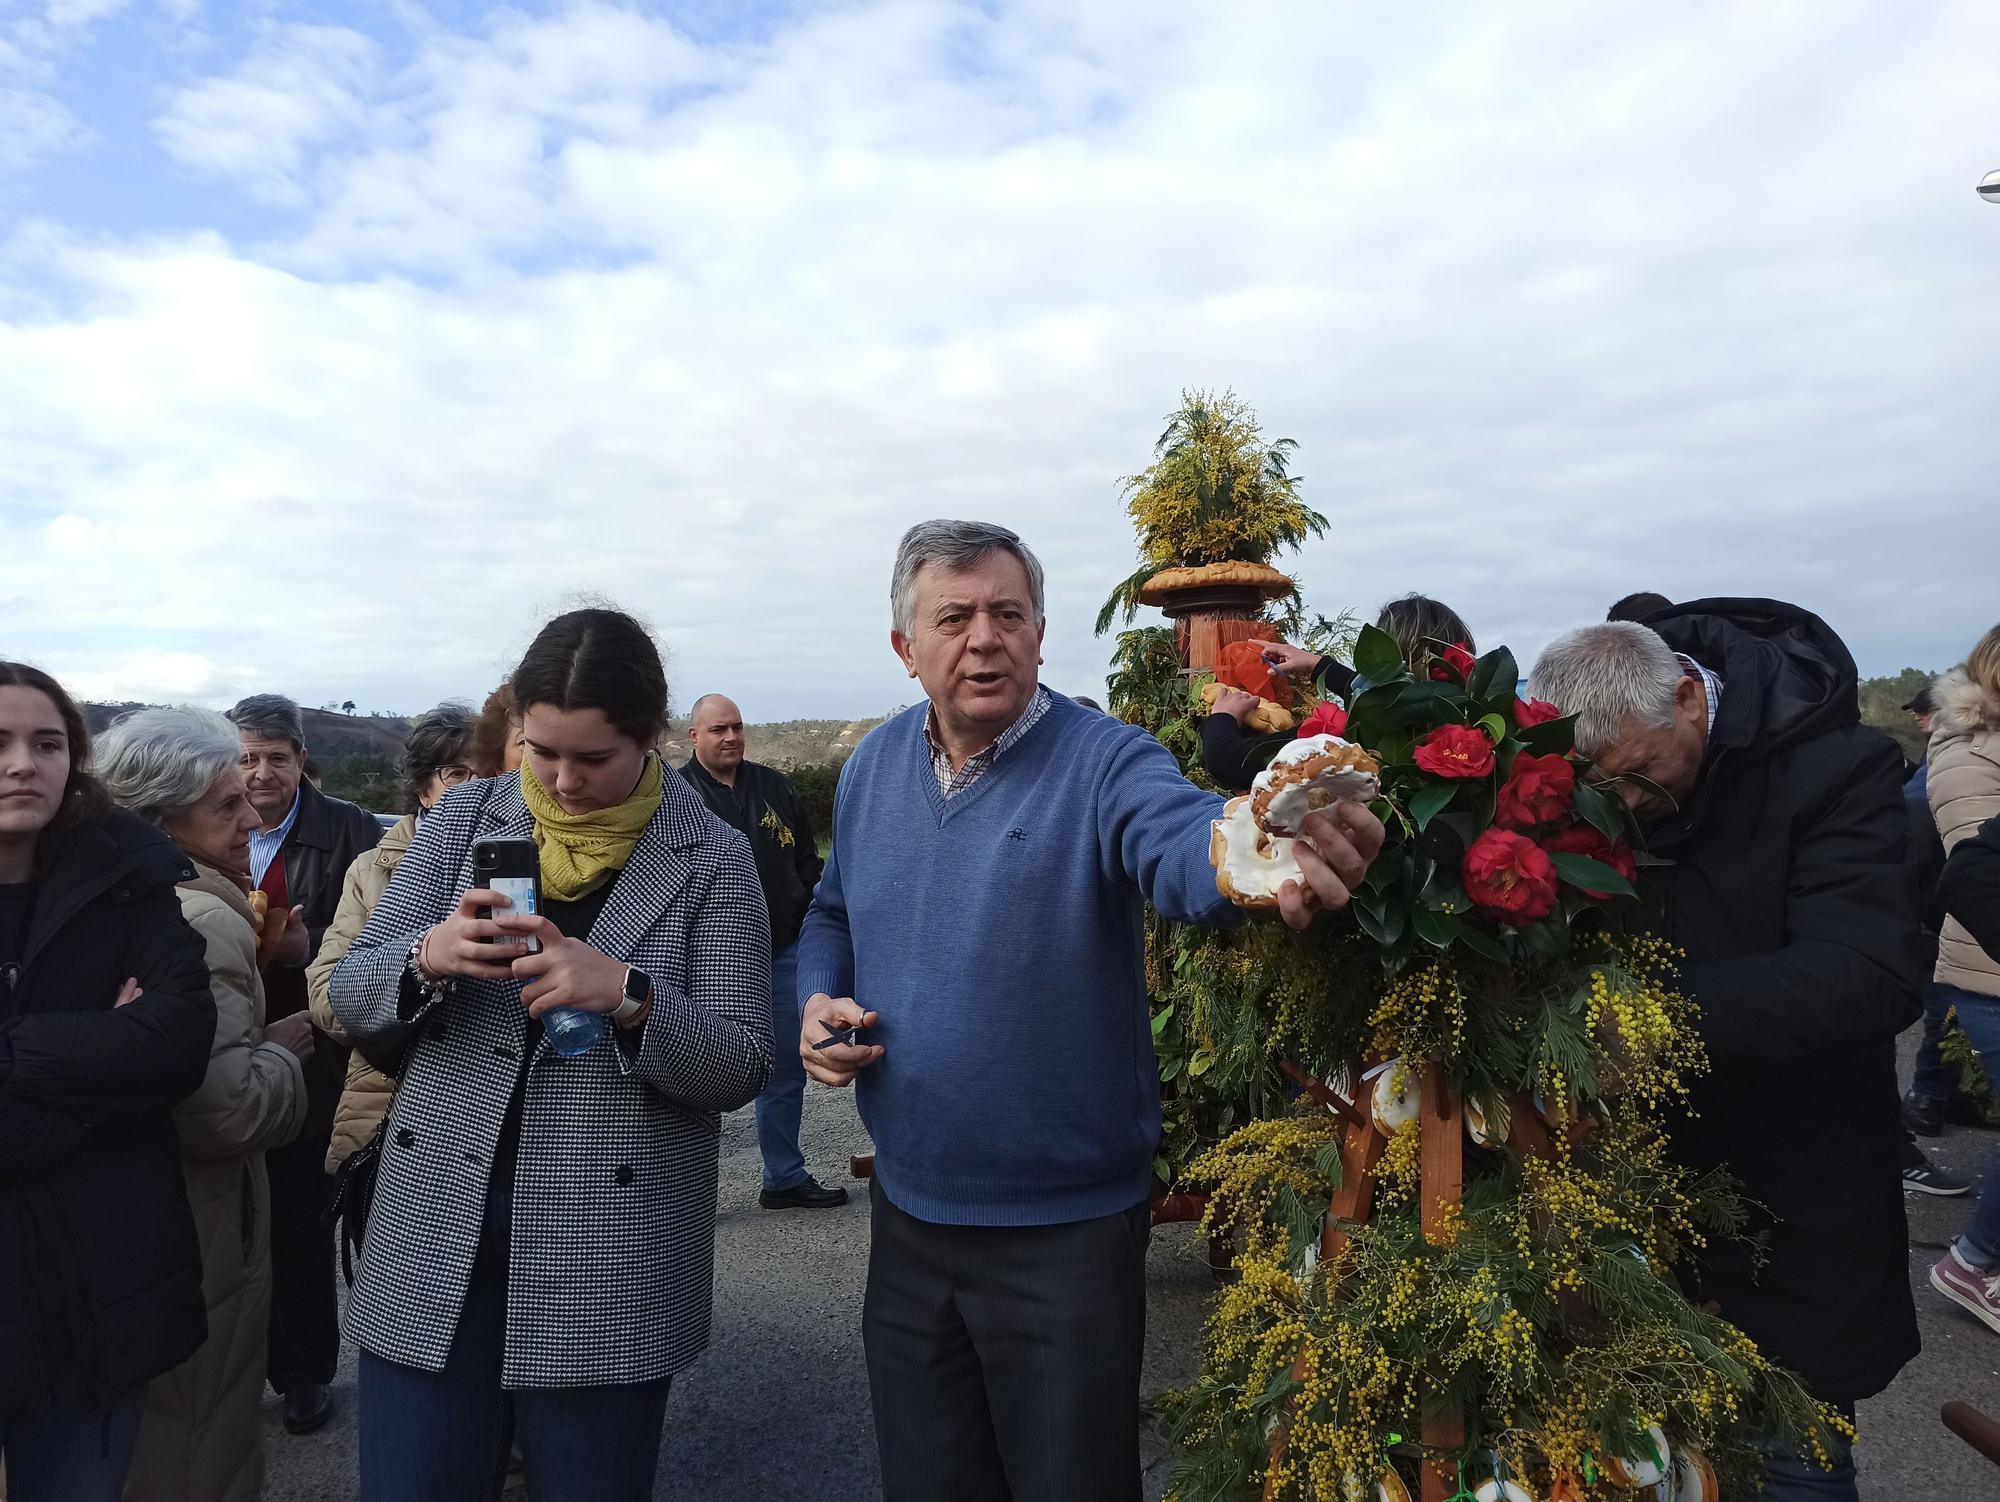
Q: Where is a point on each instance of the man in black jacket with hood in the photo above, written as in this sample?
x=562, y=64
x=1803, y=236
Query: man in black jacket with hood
x=765, y=806
x=1733, y=730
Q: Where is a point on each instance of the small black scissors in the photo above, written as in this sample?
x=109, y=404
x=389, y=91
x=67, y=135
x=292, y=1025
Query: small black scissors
x=847, y=1036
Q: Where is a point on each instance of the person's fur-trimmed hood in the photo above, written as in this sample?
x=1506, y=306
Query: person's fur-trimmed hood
x=1962, y=705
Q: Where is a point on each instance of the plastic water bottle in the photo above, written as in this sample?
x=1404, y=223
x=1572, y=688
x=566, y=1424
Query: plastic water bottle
x=572, y=1032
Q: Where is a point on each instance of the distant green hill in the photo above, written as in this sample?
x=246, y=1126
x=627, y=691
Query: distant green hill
x=359, y=757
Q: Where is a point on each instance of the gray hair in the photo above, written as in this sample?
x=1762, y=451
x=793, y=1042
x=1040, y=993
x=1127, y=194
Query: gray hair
x=438, y=737
x=954, y=545
x=270, y=717
x=160, y=763
x=1608, y=676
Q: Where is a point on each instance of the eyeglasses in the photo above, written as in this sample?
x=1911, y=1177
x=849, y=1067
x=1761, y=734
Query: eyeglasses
x=454, y=774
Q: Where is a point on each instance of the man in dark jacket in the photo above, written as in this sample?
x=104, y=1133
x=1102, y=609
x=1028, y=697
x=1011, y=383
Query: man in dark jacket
x=765, y=806
x=299, y=859
x=1732, y=728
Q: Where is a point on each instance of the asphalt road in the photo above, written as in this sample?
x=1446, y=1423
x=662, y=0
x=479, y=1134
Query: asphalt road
x=778, y=1409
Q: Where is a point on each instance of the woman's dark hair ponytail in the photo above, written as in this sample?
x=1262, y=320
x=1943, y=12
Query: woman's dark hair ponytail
x=597, y=659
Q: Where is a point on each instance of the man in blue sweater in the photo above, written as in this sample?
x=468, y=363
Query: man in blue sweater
x=980, y=919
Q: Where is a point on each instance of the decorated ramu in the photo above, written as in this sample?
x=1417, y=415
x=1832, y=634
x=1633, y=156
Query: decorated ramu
x=1456, y=1247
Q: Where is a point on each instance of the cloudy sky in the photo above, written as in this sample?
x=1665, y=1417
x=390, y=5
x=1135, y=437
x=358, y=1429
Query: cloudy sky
x=340, y=345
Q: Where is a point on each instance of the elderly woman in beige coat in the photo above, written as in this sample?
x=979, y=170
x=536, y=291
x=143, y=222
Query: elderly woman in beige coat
x=1964, y=788
x=201, y=1439
x=438, y=755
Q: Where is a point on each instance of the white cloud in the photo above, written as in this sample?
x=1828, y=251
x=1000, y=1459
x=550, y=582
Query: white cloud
x=148, y=677
x=33, y=125
x=300, y=86
x=1559, y=302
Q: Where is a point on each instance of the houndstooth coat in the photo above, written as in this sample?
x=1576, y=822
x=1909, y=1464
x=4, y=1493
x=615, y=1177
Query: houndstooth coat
x=611, y=1261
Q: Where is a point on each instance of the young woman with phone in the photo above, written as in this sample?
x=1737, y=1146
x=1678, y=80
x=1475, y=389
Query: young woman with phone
x=543, y=1226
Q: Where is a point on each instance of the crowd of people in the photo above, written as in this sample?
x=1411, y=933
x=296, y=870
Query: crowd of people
x=249, y=1040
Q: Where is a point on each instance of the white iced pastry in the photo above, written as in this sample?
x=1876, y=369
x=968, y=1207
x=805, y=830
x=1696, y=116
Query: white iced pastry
x=1313, y=772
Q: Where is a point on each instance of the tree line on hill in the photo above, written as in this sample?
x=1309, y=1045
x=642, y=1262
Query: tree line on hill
x=360, y=757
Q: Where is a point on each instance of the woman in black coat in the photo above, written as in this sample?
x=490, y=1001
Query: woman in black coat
x=105, y=1025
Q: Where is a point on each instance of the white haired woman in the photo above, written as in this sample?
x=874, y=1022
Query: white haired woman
x=201, y=1439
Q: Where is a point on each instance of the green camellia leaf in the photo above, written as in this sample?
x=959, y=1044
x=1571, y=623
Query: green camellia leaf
x=1587, y=875
x=1161, y=1018
x=1600, y=810
x=1482, y=943
x=1493, y=675
x=1446, y=892
x=1495, y=728
x=1376, y=655
x=1383, y=925
x=1549, y=938
x=1427, y=800
x=1436, y=929
x=1551, y=737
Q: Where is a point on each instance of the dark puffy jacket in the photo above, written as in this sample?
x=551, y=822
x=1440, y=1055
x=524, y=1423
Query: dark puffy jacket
x=322, y=844
x=1794, y=897
x=100, y=1272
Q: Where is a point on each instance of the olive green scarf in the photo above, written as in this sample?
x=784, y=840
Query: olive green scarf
x=580, y=852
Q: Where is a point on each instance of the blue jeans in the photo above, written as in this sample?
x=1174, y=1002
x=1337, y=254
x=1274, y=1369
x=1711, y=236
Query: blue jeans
x=783, y=1100
x=1935, y=1080
x=72, y=1454
x=442, y=1436
x=1790, y=1478
x=1980, y=1017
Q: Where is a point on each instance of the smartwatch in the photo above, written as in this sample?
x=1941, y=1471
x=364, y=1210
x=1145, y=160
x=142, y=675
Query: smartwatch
x=638, y=991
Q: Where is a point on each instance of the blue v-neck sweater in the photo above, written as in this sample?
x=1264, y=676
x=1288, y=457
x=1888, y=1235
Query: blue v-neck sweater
x=999, y=937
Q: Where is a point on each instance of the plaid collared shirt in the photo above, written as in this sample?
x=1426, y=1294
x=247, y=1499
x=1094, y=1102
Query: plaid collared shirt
x=1710, y=683
x=977, y=765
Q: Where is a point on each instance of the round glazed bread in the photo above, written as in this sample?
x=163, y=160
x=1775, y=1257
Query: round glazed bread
x=1268, y=718
x=1262, y=576
x=1250, y=846
x=1312, y=772
x=1250, y=865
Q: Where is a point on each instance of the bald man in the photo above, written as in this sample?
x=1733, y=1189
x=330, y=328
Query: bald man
x=766, y=807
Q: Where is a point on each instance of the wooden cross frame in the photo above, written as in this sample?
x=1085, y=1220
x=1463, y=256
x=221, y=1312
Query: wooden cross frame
x=1440, y=1185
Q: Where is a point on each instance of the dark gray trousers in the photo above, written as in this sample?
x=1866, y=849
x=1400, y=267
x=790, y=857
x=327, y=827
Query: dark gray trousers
x=1004, y=1361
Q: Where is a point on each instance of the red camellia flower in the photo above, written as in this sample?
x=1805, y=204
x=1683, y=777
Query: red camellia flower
x=1509, y=876
x=1328, y=719
x=1534, y=712
x=1457, y=662
x=1586, y=841
x=1456, y=751
x=1537, y=791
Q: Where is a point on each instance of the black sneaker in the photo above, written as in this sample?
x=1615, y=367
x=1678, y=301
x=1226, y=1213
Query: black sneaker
x=1925, y=1177
x=1922, y=1115
x=811, y=1194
